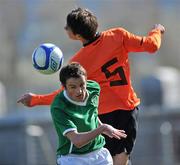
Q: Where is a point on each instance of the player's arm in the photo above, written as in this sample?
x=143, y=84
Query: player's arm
x=31, y=99
x=150, y=43
x=112, y=132
x=83, y=138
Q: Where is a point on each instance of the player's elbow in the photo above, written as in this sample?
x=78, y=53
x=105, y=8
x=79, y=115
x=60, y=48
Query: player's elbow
x=76, y=139
x=77, y=143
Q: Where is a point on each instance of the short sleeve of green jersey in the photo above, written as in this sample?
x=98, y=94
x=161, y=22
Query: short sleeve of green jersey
x=62, y=121
x=93, y=85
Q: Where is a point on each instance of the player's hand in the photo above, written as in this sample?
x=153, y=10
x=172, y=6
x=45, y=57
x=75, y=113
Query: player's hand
x=160, y=27
x=25, y=99
x=113, y=132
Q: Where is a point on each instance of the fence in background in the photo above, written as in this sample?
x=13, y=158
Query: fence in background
x=27, y=140
x=158, y=140
x=31, y=140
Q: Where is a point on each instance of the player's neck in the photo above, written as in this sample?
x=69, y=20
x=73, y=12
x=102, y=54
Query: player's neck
x=87, y=42
x=83, y=41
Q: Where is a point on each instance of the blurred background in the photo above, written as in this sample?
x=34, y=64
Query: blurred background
x=27, y=136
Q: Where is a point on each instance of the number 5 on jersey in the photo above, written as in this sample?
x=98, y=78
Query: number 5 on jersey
x=119, y=70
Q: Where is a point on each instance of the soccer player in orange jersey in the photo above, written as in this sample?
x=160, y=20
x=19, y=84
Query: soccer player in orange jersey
x=104, y=55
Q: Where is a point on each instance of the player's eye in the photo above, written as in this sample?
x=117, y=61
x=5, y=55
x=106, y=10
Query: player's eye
x=72, y=87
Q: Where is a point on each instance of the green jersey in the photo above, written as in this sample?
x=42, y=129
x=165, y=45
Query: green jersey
x=69, y=115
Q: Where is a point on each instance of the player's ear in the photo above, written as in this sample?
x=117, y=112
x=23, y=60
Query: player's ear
x=78, y=37
x=64, y=86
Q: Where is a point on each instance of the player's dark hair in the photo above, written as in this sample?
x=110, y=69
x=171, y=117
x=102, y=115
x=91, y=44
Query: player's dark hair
x=82, y=22
x=72, y=70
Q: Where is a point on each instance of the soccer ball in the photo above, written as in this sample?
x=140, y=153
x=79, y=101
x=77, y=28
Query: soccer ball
x=47, y=58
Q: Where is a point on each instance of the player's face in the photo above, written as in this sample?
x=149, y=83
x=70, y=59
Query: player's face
x=70, y=34
x=76, y=88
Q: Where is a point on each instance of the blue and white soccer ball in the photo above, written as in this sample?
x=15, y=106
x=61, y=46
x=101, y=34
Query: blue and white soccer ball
x=47, y=58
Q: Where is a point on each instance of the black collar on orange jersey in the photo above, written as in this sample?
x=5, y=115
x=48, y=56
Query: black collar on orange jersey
x=92, y=40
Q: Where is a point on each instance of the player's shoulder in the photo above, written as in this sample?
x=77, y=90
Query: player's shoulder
x=58, y=106
x=58, y=100
x=93, y=85
x=114, y=30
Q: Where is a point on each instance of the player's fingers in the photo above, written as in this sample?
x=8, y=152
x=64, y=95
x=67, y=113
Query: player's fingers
x=116, y=136
x=23, y=98
x=121, y=131
x=121, y=134
x=163, y=30
x=20, y=100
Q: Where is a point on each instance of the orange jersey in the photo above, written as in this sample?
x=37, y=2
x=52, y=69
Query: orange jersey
x=106, y=62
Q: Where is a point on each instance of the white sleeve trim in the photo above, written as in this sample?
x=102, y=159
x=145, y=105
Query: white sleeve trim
x=70, y=149
x=69, y=130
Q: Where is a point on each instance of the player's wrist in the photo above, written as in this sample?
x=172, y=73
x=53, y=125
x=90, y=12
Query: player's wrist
x=103, y=127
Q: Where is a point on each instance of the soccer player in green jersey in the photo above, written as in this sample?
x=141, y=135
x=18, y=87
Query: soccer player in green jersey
x=75, y=116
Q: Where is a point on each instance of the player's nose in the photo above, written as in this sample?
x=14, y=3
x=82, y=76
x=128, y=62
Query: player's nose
x=79, y=91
